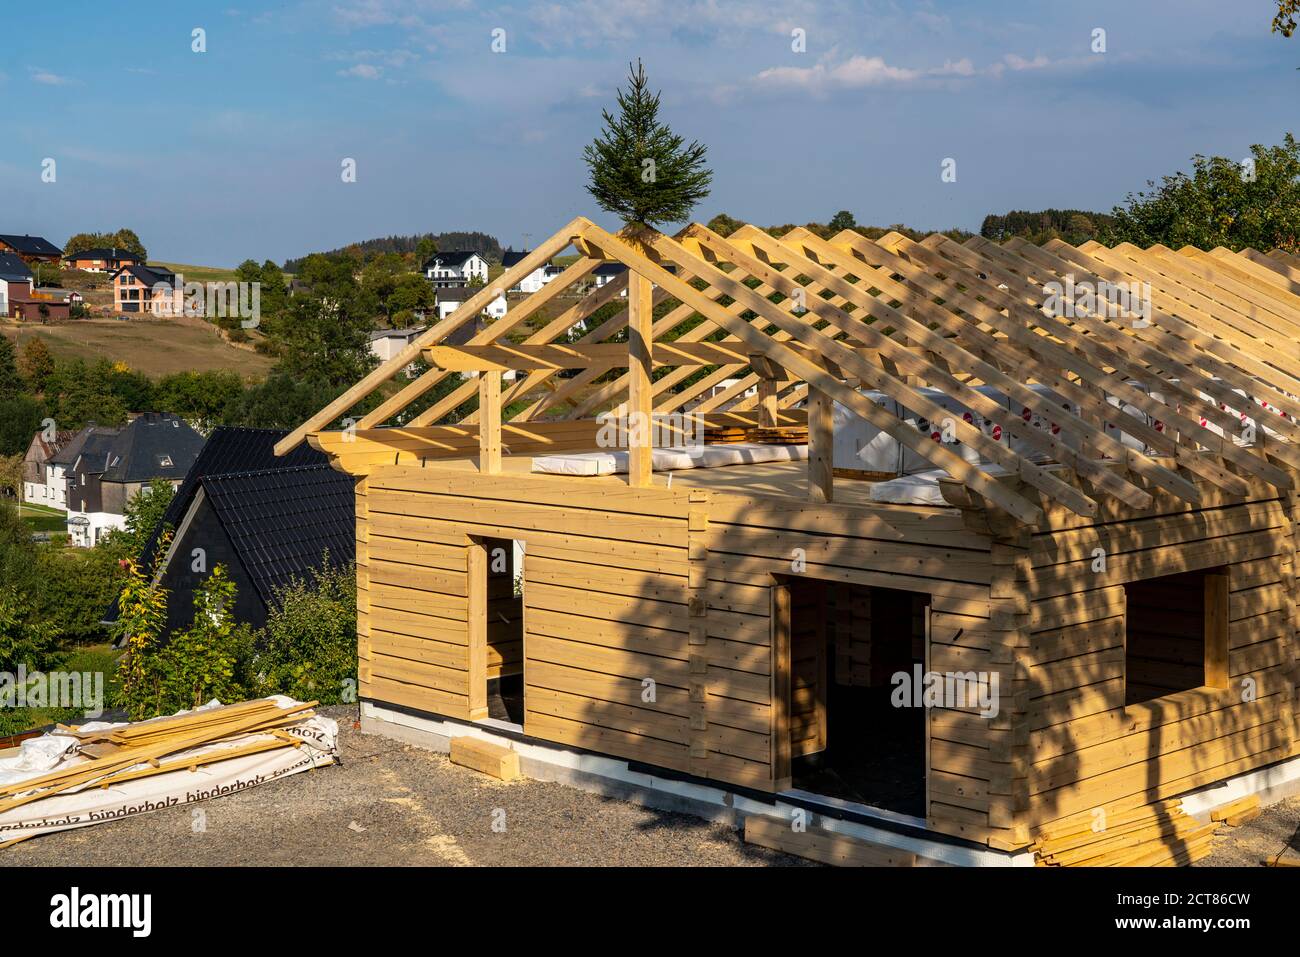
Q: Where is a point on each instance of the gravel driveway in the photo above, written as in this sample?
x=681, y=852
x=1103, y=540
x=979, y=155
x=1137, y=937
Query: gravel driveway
x=392, y=804
x=1275, y=832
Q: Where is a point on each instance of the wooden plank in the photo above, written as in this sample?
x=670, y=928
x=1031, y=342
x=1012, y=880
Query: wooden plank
x=781, y=685
x=489, y=436
x=492, y=759
x=640, y=397
x=808, y=371
x=502, y=356
x=821, y=473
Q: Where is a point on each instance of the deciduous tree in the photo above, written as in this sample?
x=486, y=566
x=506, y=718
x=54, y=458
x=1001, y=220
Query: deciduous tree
x=1224, y=202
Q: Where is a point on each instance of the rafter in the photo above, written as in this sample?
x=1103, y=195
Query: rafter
x=819, y=321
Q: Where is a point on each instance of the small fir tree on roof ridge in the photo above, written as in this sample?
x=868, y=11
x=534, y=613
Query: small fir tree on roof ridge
x=640, y=169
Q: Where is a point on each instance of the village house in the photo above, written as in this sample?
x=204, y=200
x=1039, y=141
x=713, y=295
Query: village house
x=962, y=577
x=455, y=268
x=386, y=343
x=536, y=279
x=45, y=303
x=59, y=465
x=37, y=488
x=111, y=466
x=155, y=290
x=267, y=519
x=15, y=281
x=31, y=249
x=450, y=298
x=102, y=260
x=606, y=273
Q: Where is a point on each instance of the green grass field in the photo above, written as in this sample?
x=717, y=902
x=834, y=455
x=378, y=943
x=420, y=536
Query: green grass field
x=95, y=659
x=199, y=273
x=39, y=518
x=155, y=347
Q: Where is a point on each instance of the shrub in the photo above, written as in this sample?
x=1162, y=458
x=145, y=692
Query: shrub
x=24, y=639
x=141, y=619
x=199, y=664
x=309, y=644
x=75, y=588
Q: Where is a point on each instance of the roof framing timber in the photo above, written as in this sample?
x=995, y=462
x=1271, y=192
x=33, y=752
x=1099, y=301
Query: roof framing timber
x=1208, y=381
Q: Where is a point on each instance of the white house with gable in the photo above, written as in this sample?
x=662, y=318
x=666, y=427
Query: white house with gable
x=450, y=298
x=455, y=268
x=536, y=279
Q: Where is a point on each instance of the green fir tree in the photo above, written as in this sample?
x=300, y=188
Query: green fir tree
x=640, y=169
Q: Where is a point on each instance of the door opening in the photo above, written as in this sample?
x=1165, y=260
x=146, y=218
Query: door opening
x=847, y=739
x=502, y=611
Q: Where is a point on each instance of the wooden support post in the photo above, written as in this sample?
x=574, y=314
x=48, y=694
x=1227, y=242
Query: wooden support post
x=771, y=378
x=476, y=590
x=640, y=319
x=821, y=473
x=767, y=403
x=489, y=423
x=1008, y=637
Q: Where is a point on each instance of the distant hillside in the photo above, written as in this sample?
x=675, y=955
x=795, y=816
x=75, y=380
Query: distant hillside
x=487, y=246
x=1072, y=225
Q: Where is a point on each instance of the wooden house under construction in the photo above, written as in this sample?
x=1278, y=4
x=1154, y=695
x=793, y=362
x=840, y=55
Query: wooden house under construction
x=976, y=540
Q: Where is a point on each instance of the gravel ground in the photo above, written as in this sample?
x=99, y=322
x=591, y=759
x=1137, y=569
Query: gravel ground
x=1275, y=832
x=392, y=804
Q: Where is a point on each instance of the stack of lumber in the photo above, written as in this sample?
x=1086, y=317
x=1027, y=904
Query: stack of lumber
x=724, y=435
x=90, y=757
x=780, y=435
x=1158, y=835
x=1238, y=812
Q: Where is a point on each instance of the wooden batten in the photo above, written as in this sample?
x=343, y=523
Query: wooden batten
x=640, y=398
x=489, y=422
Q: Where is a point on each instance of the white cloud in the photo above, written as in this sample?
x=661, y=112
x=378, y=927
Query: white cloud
x=1020, y=63
x=41, y=75
x=860, y=71
x=363, y=71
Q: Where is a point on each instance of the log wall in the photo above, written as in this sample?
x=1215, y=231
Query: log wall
x=1088, y=750
x=652, y=630
x=648, y=613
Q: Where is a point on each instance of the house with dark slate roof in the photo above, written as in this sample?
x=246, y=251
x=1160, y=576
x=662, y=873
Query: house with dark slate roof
x=267, y=519
x=15, y=281
x=455, y=267
x=112, y=466
x=101, y=259
x=31, y=249
x=152, y=289
x=59, y=465
x=536, y=279
x=45, y=445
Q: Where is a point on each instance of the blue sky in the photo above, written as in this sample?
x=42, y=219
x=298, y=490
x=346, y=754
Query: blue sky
x=236, y=152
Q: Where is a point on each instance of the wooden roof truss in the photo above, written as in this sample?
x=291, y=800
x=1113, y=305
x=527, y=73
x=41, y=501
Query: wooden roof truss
x=804, y=319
